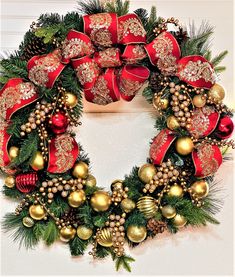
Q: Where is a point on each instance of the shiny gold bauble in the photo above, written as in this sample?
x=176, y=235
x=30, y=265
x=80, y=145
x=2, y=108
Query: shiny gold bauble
x=10, y=181
x=67, y=233
x=168, y=211
x=13, y=152
x=199, y=101
x=38, y=161
x=159, y=102
x=84, y=232
x=104, y=238
x=176, y=191
x=117, y=184
x=80, y=170
x=147, y=206
x=90, y=181
x=76, y=198
x=200, y=188
x=179, y=221
x=217, y=92
x=127, y=205
x=71, y=99
x=37, y=212
x=184, y=145
x=100, y=201
x=28, y=222
x=146, y=172
x=172, y=122
x=136, y=233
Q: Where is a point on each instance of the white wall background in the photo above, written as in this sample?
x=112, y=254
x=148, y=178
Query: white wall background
x=116, y=138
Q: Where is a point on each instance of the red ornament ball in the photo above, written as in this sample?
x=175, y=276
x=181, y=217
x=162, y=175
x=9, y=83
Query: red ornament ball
x=225, y=128
x=59, y=123
x=26, y=182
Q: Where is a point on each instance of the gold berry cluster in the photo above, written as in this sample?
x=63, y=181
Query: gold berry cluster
x=118, y=192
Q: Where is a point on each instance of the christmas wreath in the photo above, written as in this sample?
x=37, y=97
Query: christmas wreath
x=105, y=55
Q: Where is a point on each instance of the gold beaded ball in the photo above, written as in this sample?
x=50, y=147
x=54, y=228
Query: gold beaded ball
x=127, y=205
x=136, y=233
x=217, y=92
x=10, y=181
x=90, y=181
x=146, y=172
x=200, y=188
x=71, y=99
x=38, y=161
x=161, y=103
x=76, y=198
x=100, y=201
x=84, y=232
x=80, y=170
x=199, y=101
x=13, y=152
x=184, y=145
x=37, y=212
x=172, y=122
x=176, y=191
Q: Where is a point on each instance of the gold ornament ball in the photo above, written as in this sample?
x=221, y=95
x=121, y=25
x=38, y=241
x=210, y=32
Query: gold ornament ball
x=71, y=99
x=13, y=152
x=67, y=233
x=200, y=188
x=10, y=181
x=127, y=205
x=100, y=201
x=28, y=222
x=179, y=221
x=146, y=173
x=168, y=211
x=84, y=232
x=147, y=206
x=184, y=145
x=159, y=102
x=76, y=198
x=90, y=181
x=217, y=92
x=176, y=191
x=38, y=161
x=104, y=237
x=136, y=233
x=80, y=170
x=172, y=122
x=199, y=101
x=37, y=212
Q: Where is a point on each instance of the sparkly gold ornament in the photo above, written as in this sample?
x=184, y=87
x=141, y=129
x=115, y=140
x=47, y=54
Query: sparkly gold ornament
x=84, y=232
x=13, y=152
x=76, y=198
x=104, y=237
x=71, y=99
x=146, y=173
x=10, y=181
x=100, y=201
x=136, y=233
x=28, y=222
x=200, y=188
x=147, y=206
x=37, y=212
x=67, y=233
x=38, y=161
x=168, y=211
x=199, y=101
x=161, y=103
x=80, y=170
x=117, y=184
x=217, y=92
x=127, y=205
x=90, y=181
x=179, y=221
x=176, y=191
x=172, y=122
x=184, y=145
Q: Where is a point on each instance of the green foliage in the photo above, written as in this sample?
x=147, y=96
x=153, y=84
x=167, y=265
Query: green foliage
x=38, y=229
x=51, y=233
x=78, y=246
x=160, y=123
x=47, y=33
x=90, y=7
x=59, y=206
x=135, y=218
x=49, y=19
x=148, y=94
x=124, y=261
x=85, y=215
x=13, y=67
x=11, y=192
x=119, y=7
x=218, y=59
x=99, y=220
x=102, y=252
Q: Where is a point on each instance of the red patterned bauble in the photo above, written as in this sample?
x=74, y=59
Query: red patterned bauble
x=225, y=128
x=59, y=123
x=26, y=182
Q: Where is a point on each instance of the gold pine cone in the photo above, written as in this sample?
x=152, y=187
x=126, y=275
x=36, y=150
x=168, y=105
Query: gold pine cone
x=147, y=206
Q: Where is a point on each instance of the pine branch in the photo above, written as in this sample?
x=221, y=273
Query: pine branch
x=11, y=193
x=14, y=67
x=148, y=94
x=85, y=215
x=101, y=219
x=219, y=69
x=90, y=7
x=136, y=218
x=51, y=233
x=218, y=59
x=102, y=252
x=46, y=20
x=78, y=246
x=59, y=206
x=124, y=261
x=119, y=7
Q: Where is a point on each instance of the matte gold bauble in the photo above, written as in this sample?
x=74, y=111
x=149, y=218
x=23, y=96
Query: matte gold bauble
x=71, y=99
x=100, y=201
x=161, y=103
x=10, y=181
x=176, y=191
x=200, y=188
x=146, y=173
x=37, y=212
x=179, y=221
x=184, y=145
x=217, y=92
x=172, y=122
x=38, y=161
x=13, y=152
x=127, y=205
x=80, y=170
x=76, y=198
x=199, y=101
x=117, y=184
x=67, y=233
x=84, y=232
x=147, y=206
x=168, y=211
x=136, y=233
x=90, y=181
x=104, y=237
x=28, y=222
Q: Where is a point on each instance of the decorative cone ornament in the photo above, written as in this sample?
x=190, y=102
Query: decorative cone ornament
x=26, y=182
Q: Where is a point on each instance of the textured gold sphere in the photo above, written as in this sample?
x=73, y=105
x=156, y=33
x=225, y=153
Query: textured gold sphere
x=100, y=201
x=217, y=92
x=179, y=221
x=13, y=152
x=117, y=184
x=84, y=232
x=38, y=161
x=136, y=233
x=168, y=211
x=37, y=212
x=184, y=145
x=200, y=188
x=172, y=122
x=28, y=222
x=67, y=233
x=71, y=99
x=176, y=191
x=146, y=172
x=199, y=101
x=104, y=237
x=80, y=170
x=76, y=198
x=91, y=181
x=127, y=205
x=159, y=102
x=10, y=181
x=147, y=206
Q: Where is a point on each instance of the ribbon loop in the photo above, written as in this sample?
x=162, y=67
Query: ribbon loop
x=109, y=57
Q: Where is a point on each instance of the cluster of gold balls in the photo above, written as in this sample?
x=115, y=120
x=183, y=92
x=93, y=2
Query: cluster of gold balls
x=118, y=192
